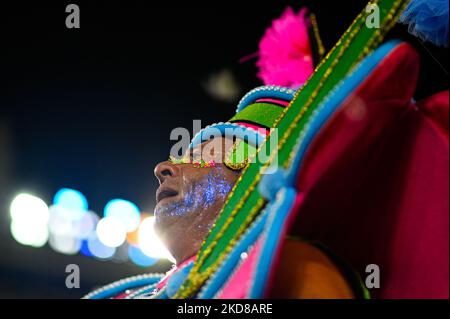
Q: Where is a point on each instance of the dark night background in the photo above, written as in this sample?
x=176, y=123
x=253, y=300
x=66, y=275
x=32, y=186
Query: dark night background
x=92, y=108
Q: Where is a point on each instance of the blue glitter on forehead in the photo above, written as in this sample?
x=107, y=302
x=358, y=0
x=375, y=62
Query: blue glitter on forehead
x=202, y=194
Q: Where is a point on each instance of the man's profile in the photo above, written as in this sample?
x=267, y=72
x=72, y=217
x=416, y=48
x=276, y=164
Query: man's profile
x=345, y=189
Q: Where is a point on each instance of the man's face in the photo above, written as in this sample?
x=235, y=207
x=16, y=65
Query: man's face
x=190, y=198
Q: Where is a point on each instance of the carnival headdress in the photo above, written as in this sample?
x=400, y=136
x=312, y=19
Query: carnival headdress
x=260, y=207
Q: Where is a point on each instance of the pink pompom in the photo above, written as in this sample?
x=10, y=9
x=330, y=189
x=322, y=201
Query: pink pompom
x=285, y=56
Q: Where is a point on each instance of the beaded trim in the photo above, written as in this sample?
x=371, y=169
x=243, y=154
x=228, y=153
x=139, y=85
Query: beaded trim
x=141, y=291
x=197, y=137
x=123, y=282
x=261, y=92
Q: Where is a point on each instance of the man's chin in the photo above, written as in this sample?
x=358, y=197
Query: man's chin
x=168, y=220
x=163, y=211
x=164, y=217
x=166, y=227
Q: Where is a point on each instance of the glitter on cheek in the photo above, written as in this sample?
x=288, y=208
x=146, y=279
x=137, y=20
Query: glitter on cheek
x=218, y=186
x=174, y=209
x=209, y=194
x=202, y=194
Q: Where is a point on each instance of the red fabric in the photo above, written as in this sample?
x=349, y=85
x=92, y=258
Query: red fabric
x=376, y=183
x=435, y=108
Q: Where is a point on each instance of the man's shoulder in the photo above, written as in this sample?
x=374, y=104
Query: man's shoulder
x=305, y=270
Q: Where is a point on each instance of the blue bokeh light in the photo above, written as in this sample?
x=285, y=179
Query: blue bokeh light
x=72, y=201
x=139, y=258
x=125, y=211
x=97, y=249
x=85, y=249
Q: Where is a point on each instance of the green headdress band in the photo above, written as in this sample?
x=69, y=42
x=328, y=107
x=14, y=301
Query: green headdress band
x=256, y=114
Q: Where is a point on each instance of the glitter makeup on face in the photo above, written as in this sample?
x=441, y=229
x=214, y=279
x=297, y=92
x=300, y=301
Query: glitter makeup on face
x=202, y=194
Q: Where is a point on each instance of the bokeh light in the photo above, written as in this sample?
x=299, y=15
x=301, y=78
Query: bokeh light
x=85, y=249
x=29, y=216
x=149, y=242
x=138, y=257
x=124, y=210
x=124, y=233
x=132, y=237
x=97, y=249
x=111, y=231
x=73, y=202
x=84, y=227
x=65, y=244
x=29, y=234
x=60, y=223
x=26, y=207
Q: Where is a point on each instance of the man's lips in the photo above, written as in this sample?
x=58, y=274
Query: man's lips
x=165, y=192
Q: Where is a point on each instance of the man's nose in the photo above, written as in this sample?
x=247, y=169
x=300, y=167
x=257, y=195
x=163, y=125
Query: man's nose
x=164, y=170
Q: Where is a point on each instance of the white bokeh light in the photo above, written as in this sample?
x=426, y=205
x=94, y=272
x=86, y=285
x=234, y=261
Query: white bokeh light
x=111, y=231
x=30, y=217
x=29, y=234
x=65, y=244
x=58, y=223
x=26, y=207
x=149, y=242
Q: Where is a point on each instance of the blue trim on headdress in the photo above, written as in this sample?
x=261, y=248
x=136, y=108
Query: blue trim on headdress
x=272, y=237
x=217, y=281
x=242, y=132
x=267, y=91
x=254, y=138
x=176, y=279
x=120, y=286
